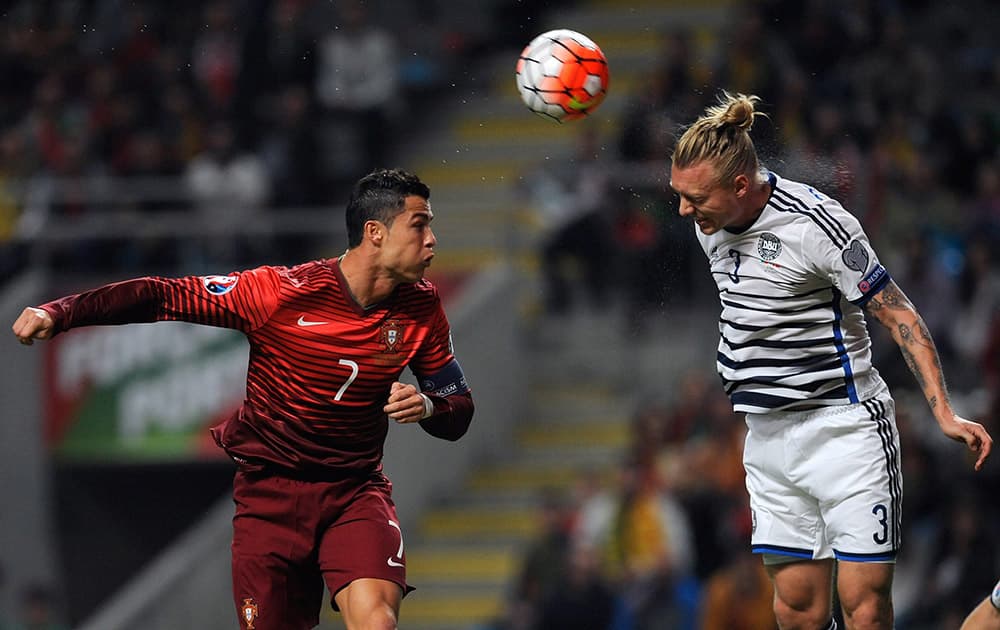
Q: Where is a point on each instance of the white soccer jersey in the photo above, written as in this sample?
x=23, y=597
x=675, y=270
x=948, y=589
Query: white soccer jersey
x=792, y=286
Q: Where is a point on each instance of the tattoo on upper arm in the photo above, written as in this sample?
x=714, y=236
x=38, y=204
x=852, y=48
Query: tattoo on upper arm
x=891, y=297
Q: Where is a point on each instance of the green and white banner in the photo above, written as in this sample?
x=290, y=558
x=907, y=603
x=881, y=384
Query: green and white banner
x=142, y=392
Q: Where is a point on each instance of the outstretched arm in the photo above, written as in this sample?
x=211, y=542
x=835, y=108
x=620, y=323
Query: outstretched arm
x=895, y=311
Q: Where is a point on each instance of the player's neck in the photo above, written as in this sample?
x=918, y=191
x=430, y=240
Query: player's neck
x=364, y=281
x=752, y=208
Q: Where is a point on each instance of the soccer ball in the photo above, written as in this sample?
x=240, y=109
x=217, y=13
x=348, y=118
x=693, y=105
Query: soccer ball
x=562, y=75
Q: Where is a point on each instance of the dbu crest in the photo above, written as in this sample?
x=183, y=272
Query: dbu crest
x=768, y=246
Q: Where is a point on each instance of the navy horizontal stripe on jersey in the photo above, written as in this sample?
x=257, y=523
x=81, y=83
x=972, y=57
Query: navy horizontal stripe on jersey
x=780, y=344
x=794, y=296
x=779, y=311
x=773, y=401
x=804, y=364
x=781, y=326
x=775, y=382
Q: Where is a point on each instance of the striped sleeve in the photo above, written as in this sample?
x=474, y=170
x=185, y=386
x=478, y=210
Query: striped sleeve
x=241, y=301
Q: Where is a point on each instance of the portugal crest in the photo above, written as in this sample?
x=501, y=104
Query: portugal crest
x=249, y=612
x=391, y=334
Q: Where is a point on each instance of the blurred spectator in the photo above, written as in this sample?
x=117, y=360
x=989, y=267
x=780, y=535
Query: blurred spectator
x=978, y=308
x=650, y=118
x=357, y=87
x=229, y=186
x=39, y=610
x=920, y=268
x=289, y=150
x=545, y=565
x=216, y=56
x=572, y=197
x=965, y=557
x=656, y=250
x=645, y=539
x=584, y=600
x=750, y=63
x=225, y=179
x=739, y=595
x=984, y=208
x=286, y=59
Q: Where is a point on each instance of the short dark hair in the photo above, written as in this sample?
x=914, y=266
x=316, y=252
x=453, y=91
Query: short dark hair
x=380, y=196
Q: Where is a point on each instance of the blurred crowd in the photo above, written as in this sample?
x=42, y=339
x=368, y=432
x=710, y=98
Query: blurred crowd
x=225, y=108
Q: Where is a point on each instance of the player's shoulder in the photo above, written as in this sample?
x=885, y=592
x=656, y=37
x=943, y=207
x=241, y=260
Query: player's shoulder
x=422, y=290
x=309, y=272
x=812, y=209
x=306, y=276
x=803, y=199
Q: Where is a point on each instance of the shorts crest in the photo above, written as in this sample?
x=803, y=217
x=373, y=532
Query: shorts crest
x=249, y=612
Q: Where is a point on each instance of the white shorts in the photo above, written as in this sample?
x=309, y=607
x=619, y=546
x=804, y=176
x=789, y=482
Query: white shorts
x=826, y=483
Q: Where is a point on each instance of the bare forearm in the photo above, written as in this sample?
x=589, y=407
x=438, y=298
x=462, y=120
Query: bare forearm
x=908, y=329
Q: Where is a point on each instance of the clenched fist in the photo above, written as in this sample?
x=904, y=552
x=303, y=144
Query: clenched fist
x=33, y=323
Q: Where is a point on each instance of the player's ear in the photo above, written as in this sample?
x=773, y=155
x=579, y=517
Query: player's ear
x=374, y=231
x=741, y=185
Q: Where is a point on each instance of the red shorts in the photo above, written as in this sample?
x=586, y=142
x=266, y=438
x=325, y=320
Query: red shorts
x=290, y=536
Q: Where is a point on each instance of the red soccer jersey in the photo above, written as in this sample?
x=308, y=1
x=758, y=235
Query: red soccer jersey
x=321, y=366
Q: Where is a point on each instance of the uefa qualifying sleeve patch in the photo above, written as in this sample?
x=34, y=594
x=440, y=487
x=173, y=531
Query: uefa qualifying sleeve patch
x=855, y=256
x=219, y=285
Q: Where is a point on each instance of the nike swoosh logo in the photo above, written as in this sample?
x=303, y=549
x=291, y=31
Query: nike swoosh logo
x=304, y=322
x=393, y=563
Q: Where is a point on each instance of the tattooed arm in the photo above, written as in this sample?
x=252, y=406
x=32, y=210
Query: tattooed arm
x=895, y=311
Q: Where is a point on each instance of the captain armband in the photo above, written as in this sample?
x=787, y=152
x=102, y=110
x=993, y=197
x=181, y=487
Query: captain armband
x=445, y=382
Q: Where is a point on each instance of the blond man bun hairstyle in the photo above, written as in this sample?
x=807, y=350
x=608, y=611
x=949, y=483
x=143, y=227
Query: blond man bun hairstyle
x=722, y=137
